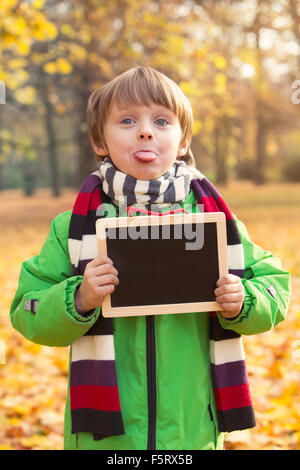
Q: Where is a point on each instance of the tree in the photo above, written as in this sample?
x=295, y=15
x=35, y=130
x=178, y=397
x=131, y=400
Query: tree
x=21, y=24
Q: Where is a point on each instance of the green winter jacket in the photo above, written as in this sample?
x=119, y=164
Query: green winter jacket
x=178, y=384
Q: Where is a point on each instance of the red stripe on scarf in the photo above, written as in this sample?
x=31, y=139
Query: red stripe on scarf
x=209, y=204
x=95, y=201
x=236, y=396
x=224, y=208
x=86, y=202
x=81, y=206
x=96, y=397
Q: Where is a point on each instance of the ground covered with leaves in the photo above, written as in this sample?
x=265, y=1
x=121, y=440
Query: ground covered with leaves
x=33, y=378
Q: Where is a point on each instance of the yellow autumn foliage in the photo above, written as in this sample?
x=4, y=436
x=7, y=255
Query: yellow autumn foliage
x=33, y=380
x=21, y=23
x=26, y=95
x=61, y=66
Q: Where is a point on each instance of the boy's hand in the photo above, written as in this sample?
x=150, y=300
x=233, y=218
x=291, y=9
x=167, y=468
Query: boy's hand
x=100, y=279
x=230, y=295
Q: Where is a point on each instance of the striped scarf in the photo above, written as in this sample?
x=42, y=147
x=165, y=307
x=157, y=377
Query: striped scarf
x=125, y=190
x=94, y=397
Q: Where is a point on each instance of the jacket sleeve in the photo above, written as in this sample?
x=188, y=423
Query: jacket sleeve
x=46, y=281
x=267, y=290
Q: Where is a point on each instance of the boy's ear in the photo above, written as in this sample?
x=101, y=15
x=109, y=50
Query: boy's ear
x=100, y=150
x=183, y=148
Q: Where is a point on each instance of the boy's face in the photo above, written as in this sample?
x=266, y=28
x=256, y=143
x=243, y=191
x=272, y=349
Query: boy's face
x=142, y=141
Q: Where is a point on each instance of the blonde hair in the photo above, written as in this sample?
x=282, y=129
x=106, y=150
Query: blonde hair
x=140, y=85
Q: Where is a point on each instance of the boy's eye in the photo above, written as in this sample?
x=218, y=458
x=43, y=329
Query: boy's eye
x=127, y=121
x=161, y=122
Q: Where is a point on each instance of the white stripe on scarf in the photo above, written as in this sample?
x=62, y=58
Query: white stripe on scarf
x=99, y=348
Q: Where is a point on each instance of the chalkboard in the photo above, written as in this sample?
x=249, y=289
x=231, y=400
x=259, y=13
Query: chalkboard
x=166, y=264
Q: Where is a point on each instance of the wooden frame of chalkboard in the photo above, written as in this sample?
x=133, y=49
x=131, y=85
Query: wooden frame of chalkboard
x=160, y=270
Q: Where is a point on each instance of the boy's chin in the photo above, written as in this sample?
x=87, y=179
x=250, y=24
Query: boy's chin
x=147, y=173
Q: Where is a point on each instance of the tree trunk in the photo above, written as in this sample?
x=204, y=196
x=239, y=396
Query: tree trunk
x=220, y=157
x=86, y=160
x=261, y=137
x=259, y=177
x=88, y=73
x=29, y=178
x=1, y=176
x=51, y=136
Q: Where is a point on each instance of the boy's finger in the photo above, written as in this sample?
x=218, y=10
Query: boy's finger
x=107, y=279
x=228, y=289
x=229, y=298
x=230, y=310
x=228, y=279
x=104, y=269
x=101, y=259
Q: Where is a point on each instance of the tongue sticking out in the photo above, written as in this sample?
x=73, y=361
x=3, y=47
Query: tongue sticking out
x=145, y=156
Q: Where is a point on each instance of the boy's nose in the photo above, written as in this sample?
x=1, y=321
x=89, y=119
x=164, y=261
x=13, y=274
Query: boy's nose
x=145, y=136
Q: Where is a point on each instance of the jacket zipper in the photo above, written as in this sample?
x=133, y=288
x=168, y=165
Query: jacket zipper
x=151, y=381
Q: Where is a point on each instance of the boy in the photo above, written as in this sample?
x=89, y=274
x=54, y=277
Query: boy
x=166, y=382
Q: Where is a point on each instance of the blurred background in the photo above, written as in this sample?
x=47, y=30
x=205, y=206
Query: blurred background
x=239, y=64
x=237, y=61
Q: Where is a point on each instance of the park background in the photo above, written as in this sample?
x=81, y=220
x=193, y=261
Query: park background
x=239, y=64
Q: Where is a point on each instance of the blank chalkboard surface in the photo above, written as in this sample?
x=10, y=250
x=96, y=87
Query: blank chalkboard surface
x=166, y=264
